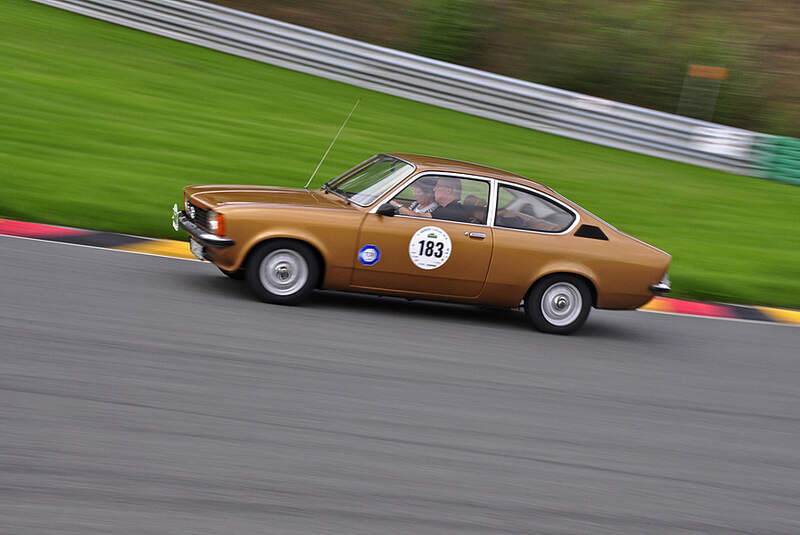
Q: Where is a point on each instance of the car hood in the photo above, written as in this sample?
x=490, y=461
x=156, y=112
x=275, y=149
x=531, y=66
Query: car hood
x=223, y=195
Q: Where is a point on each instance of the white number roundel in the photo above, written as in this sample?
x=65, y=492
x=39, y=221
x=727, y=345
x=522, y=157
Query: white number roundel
x=429, y=248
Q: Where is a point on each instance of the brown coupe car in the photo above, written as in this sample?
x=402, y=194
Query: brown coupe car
x=425, y=227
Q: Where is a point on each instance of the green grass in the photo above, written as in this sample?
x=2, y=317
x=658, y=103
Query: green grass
x=101, y=127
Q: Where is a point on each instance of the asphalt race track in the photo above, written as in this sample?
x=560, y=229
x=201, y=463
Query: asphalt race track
x=148, y=395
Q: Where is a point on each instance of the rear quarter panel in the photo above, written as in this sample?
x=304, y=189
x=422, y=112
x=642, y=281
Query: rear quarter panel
x=620, y=269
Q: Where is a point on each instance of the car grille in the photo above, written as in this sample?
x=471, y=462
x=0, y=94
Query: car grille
x=200, y=217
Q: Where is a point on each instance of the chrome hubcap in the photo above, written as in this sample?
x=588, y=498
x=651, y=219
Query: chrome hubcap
x=561, y=304
x=283, y=272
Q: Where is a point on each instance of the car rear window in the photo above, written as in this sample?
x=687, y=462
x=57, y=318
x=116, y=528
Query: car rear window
x=524, y=210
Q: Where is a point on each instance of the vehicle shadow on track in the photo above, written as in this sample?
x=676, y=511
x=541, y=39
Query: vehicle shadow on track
x=216, y=284
x=391, y=307
x=597, y=328
x=419, y=308
x=619, y=330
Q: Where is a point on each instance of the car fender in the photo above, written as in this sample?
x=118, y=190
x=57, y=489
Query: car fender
x=574, y=268
x=286, y=233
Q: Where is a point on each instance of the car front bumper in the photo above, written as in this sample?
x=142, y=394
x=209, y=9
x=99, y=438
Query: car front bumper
x=662, y=287
x=179, y=219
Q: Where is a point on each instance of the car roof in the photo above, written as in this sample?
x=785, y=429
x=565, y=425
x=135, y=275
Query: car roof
x=435, y=163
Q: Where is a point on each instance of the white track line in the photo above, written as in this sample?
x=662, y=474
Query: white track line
x=100, y=247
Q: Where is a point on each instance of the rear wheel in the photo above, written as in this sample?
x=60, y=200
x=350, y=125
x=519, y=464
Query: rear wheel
x=283, y=272
x=558, y=304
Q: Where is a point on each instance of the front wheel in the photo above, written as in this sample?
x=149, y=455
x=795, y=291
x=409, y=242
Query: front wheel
x=558, y=304
x=282, y=272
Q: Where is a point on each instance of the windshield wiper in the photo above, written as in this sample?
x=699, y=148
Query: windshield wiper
x=339, y=192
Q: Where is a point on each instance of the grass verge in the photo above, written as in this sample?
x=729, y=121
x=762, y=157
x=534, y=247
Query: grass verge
x=102, y=126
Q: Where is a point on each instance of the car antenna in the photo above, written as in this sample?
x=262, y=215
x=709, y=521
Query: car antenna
x=331, y=145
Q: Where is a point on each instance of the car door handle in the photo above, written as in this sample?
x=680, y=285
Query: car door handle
x=476, y=235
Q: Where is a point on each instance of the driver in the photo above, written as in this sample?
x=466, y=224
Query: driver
x=447, y=194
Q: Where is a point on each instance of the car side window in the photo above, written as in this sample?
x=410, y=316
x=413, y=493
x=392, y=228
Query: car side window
x=521, y=209
x=446, y=198
x=475, y=199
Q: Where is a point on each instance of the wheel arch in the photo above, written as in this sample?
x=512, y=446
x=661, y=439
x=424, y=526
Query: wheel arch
x=589, y=282
x=314, y=249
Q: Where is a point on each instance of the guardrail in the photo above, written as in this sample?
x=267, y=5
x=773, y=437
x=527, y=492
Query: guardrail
x=434, y=82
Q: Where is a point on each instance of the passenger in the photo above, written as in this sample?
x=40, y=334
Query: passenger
x=476, y=207
x=423, y=197
x=476, y=214
x=515, y=219
x=473, y=200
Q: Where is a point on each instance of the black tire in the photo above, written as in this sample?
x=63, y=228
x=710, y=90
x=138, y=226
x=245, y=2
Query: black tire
x=237, y=275
x=283, y=272
x=558, y=304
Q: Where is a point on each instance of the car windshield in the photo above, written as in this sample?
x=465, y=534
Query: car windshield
x=369, y=182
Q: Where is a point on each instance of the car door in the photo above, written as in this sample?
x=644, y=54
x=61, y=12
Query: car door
x=419, y=255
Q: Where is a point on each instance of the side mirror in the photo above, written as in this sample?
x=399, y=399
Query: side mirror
x=387, y=209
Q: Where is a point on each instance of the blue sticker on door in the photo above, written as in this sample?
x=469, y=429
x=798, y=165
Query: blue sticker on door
x=369, y=255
